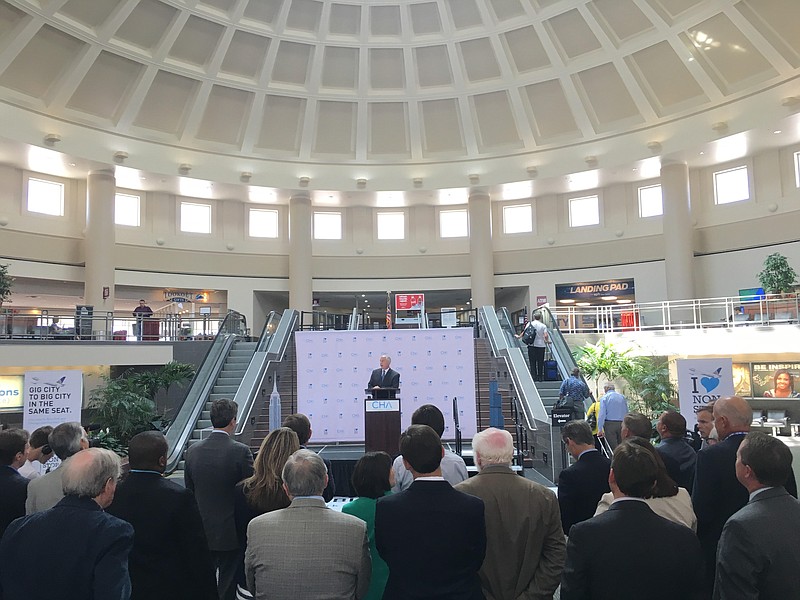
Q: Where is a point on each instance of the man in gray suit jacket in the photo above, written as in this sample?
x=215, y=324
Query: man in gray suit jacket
x=307, y=550
x=45, y=492
x=213, y=468
x=758, y=555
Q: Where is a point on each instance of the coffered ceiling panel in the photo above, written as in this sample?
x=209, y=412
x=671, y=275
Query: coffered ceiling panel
x=397, y=87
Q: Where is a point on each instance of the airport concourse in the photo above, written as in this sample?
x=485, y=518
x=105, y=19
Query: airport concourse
x=472, y=293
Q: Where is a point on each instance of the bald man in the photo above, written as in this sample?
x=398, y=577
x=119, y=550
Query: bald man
x=717, y=494
x=524, y=555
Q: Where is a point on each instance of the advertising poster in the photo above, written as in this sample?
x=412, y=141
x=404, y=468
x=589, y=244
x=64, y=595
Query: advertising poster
x=52, y=397
x=11, y=393
x=700, y=381
x=776, y=380
x=334, y=367
x=742, y=383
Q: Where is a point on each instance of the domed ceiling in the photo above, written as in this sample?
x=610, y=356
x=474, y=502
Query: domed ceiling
x=389, y=92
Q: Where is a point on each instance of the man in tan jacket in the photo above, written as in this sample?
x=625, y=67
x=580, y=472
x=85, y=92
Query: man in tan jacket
x=524, y=554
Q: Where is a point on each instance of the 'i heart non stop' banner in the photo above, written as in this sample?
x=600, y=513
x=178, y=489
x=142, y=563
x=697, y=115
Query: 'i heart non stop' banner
x=700, y=381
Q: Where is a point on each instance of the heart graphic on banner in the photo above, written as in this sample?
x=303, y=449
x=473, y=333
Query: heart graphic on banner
x=710, y=383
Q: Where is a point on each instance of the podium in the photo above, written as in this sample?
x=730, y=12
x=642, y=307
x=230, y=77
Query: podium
x=382, y=421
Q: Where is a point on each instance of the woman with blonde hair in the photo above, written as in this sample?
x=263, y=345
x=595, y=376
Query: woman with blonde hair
x=263, y=492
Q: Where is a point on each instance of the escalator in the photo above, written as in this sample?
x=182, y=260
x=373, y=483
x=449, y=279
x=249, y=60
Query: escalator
x=233, y=367
x=533, y=400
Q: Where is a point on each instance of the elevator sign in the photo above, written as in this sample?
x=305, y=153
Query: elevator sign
x=409, y=301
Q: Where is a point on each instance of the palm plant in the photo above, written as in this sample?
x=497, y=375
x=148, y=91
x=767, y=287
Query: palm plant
x=649, y=388
x=603, y=361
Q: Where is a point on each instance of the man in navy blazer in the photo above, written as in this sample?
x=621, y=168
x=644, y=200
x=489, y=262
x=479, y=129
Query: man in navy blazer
x=213, y=468
x=432, y=537
x=82, y=549
x=170, y=557
x=717, y=494
x=581, y=485
x=13, y=486
x=612, y=556
x=758, y=555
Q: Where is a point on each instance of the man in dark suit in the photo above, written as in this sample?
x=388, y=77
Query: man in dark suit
x=717, y=494
x=84, y=550
x=384, y=377
x=758, y=555
x=671, y=428
x=431, y=536
x=581, y=485
x=170, y=557
x=213, y=468
x=13, y=486
x=300, y=424
x=605, y=556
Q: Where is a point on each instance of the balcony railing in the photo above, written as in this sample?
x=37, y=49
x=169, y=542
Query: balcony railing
x=702, y=313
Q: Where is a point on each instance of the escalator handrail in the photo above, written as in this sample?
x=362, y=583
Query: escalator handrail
x=176, y=436
x=273, y=351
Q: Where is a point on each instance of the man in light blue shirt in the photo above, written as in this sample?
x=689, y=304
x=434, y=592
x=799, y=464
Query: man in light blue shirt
x=613, y=407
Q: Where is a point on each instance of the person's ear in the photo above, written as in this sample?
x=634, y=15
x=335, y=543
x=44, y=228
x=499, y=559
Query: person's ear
x=406, y=464
x=162, y=461
x=442, y=451
x=612, y=480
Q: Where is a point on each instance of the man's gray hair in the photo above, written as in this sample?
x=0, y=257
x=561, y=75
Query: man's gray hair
x=494, y=446
x=65, y=439
x=387, y=357
x=304, y=474
x=609, y=386
x=86, y=475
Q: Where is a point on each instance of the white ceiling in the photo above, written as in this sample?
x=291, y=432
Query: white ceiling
x=406, y=95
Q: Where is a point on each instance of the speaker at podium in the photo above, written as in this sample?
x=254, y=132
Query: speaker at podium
x=382, y=420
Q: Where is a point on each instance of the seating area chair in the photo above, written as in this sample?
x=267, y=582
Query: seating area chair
x=776, y=420
x=758, y=418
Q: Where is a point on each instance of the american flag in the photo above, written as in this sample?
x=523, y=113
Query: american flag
x=388, y=310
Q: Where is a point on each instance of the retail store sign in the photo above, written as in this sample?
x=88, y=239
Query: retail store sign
x=11, y=392
x=409, y=302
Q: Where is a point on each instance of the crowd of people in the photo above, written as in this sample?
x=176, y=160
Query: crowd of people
x=718, y=522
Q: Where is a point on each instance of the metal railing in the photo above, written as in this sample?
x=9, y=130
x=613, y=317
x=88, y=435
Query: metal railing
x=56, y=325
x=702, y=313
x=199, y=389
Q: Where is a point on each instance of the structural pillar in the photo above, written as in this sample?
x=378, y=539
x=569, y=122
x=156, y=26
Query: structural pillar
x=481, y=253
x=99, y=241
x=300, y=272
x=678, y=231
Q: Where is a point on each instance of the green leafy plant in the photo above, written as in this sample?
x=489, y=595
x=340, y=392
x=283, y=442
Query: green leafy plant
x=649, y=389
x=126, y=405
x=778, y=276
x=6, y=283
x=602, y=361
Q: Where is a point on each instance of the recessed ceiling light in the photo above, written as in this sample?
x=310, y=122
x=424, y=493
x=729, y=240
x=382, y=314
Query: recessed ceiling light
x=701, y=153
x=777, y=131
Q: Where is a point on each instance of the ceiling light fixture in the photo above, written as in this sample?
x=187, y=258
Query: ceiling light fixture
x=245, y=176
x=184, y=168
x=304, y=181
x=532, y=171
x=51, y=139
x=474, y=179
x=361, y=183
x=120, y=156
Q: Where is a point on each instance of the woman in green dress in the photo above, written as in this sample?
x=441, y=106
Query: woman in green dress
x=372, y=478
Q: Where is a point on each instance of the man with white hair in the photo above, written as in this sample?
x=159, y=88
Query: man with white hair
x=524, y=555
x=85, y=549
x=613, y=407
x=307, y=550
x=717, y=493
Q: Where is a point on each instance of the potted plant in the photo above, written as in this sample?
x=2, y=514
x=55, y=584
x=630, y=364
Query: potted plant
x=778, y=276
x=6, y=283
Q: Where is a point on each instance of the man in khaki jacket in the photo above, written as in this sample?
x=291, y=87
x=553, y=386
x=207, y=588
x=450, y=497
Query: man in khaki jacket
x=524, y=554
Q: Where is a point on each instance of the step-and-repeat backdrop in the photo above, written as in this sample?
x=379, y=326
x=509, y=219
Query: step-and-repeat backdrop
x=333, y=369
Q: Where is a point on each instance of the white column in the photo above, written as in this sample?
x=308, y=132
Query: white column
x=678, y=231
x=99, y=241
x=481, y=253
x=300, y=272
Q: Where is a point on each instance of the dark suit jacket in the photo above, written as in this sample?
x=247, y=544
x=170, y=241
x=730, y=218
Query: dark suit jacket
x=13, y=492
x=612, y=557
x=717, y=495
x=213, y=468
x=82, y=554
x=392, y=379
x=684, y=456
x=170, y=557
x=580, y=487
x=434, y=540
x=758, y=555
